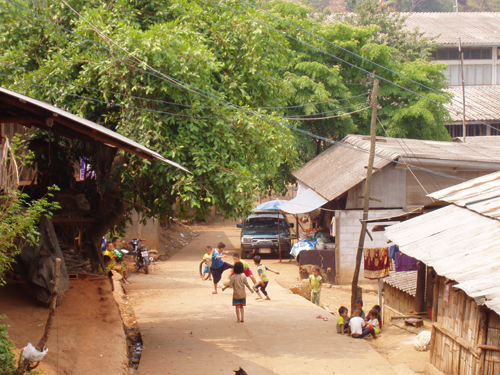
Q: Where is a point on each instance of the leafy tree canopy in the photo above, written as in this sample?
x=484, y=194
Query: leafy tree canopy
x=232, y=154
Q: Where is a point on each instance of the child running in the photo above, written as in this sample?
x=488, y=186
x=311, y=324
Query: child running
x=264, y=279
x=208, y=257
x=238, y=282
x=246, y=267
x=316, y=282
x=218, y=265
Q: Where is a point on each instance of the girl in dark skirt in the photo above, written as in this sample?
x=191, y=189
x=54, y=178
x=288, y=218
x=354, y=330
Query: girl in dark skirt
x=218, y=265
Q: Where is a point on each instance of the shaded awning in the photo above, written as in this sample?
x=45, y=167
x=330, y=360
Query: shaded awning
x=21, y=109
x=306, y=202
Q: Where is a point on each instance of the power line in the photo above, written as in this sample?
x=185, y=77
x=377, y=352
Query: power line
x=234, y=106
x=173, y=103
x=323, y=113
x=345, y=50
x=307, y=104
x=109, y=103
x=108, y=91
x=325, y=118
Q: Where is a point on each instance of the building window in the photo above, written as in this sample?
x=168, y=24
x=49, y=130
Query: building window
x=475, y=74
x=475, y=53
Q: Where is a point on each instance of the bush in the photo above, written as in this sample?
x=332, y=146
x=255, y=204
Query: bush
x=7, y=361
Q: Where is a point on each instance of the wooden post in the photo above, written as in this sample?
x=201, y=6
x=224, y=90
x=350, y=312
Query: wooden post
x=420, y=293
x=435, y=298
x=366, y=206
x=24, y=365
x=380, y=292
x=482, y=337
x=279, y=235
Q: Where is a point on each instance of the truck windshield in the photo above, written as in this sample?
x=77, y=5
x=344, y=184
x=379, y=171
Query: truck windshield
x=264, y=223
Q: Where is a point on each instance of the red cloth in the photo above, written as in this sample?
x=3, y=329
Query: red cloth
x=377, y=264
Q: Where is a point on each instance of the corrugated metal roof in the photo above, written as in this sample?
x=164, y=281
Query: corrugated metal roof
x=405, y=281
x=482, y=103
x=70, y=123
x=476, y=28
x=340, y=168
x=481, y=195
x=460, y=245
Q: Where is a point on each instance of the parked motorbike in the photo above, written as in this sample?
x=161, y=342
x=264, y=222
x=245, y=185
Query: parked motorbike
x=141, y=256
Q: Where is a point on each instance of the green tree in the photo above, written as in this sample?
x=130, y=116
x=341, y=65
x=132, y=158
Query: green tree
x=374, y=34
x=232, y=154
x=19, y=216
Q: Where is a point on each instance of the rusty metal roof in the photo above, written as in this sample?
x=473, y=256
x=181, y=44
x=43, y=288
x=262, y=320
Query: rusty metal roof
x=32, y=112
x=459, y=244
x=481, y=195
x=405, y=281
x=342, y=166
x=482, y=103
x=476, y=28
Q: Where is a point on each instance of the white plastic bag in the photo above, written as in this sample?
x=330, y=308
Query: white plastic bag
x=422, y=341
x=30, y=353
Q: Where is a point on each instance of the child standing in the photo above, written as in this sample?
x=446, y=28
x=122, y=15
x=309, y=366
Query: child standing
x=316, y=281
x=238, y=282
x=264, y=279
x=208, y=257
x=356, y=324
x=343, y=322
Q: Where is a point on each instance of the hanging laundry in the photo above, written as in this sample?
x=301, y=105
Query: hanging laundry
x=406, y=263
x=393, y=249
x=377, y=263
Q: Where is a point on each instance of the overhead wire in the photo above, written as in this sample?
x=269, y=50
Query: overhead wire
x=232, y=105
x=108, y=103
x=328, y=117
x=167, y=102
x=350, y=52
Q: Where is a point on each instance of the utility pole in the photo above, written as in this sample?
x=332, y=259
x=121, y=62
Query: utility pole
x=366, y=206
x=462, y=75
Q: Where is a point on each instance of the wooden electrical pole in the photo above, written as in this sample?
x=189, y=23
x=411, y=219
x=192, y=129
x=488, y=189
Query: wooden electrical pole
x=366, y=206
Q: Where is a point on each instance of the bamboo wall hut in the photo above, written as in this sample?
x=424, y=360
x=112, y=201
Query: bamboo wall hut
x=399, y=294
x=460, y=242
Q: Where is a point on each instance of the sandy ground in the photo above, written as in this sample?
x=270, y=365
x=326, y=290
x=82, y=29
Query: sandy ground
x=87, y=336
x=187, y=330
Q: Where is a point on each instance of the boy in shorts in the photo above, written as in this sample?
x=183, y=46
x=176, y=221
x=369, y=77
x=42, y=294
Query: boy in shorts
x=246, y=267
x=264, y=279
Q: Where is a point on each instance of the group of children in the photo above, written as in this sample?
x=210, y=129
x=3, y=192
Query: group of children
x=113, y=259
x=358, y=325
x=238, y=278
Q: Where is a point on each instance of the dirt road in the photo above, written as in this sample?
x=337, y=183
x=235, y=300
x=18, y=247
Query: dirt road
x=187, y=330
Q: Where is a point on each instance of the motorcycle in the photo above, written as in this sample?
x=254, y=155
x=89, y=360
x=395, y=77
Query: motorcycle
x=141, y=256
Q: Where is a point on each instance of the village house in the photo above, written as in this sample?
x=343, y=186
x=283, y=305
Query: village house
x=459, y=244
x=480, y=36
x=405, y=171
x=67, y=226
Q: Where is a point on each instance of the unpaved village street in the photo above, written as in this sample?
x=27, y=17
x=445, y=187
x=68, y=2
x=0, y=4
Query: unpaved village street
x=187, y=330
